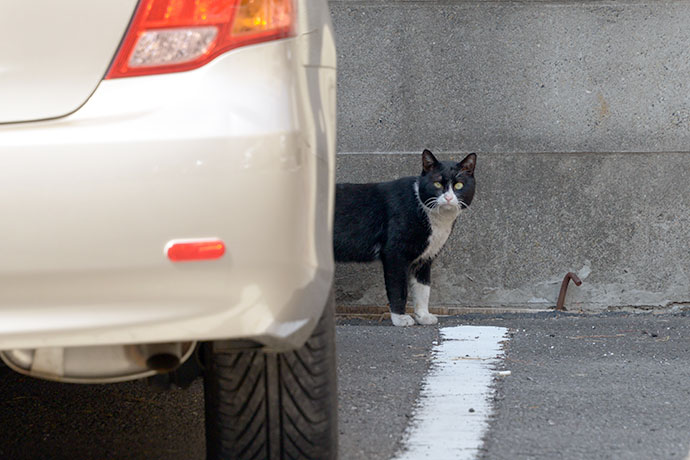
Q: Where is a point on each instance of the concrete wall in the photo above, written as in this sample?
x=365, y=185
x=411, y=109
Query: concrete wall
x=580, y=114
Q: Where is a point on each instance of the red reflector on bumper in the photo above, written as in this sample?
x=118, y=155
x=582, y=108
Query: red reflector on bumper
x=188, y=250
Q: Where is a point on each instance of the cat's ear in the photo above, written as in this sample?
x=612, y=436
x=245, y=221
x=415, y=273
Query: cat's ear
x=429, y=161
x=467, y=165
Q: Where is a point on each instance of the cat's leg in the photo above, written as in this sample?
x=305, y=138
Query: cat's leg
x=420, y=285
x=395, y=275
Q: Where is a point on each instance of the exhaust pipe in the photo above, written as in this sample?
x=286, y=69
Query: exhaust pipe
x=159, y=357
x=98, y=364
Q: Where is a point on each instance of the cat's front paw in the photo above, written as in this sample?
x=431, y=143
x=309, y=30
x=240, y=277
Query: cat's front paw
x=426, y=318
x=402, y=320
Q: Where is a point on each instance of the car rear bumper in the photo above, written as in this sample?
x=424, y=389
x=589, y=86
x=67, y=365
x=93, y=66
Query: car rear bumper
x=91, y=200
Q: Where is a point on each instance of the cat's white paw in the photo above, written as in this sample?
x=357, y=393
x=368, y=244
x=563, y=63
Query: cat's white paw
x=426, y=318
x=402, y=320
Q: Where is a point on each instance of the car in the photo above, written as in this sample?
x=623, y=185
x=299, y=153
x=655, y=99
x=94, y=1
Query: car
x=168, y=185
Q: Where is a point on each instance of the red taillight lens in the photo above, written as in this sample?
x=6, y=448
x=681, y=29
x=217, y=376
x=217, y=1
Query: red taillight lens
x=177, y=35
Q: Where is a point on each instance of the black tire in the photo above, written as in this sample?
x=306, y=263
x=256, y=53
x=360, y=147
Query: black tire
x=274, y=405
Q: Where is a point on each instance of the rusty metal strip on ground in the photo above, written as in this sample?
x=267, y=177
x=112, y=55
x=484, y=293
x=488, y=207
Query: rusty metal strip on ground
x=560, y=305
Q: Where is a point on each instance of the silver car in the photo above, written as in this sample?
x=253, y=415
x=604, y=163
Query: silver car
x=167, y=171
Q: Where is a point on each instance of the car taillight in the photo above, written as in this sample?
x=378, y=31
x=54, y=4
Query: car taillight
x=177, y=35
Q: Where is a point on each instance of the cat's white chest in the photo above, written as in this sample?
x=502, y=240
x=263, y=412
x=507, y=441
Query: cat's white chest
x=441, y=224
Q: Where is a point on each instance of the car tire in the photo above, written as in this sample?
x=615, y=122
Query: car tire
x=274, y=405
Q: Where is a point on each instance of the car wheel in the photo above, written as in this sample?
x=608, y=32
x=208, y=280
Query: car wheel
x=274, y=405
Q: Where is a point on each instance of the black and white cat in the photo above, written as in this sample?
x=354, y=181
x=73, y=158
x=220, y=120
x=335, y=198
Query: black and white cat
x=404, y=223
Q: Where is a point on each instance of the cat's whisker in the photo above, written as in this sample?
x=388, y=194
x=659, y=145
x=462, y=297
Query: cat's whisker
x=430, y=203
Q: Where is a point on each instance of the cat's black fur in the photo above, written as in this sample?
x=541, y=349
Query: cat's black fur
x=388, y=221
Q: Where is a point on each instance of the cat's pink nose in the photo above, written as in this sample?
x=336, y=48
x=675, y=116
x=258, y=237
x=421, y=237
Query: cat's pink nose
x=448, y=198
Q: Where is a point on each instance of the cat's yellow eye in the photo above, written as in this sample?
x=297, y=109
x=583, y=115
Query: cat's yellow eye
x=458, y=185
x=438, y=185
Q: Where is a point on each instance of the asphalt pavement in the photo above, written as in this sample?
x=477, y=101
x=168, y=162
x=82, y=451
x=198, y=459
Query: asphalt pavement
x=612, y=386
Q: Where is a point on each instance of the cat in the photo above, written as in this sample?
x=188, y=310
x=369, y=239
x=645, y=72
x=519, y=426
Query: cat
x=404, y=223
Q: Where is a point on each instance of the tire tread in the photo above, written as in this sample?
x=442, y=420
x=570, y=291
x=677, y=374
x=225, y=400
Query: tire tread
x=274, y=405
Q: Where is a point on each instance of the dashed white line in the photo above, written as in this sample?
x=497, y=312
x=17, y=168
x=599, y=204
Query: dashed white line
x=454, y=404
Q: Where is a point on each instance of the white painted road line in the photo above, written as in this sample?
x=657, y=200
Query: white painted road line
x=454, y=404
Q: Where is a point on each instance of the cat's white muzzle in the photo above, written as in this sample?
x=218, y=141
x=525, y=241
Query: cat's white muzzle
x=448, y=201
